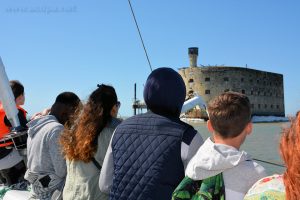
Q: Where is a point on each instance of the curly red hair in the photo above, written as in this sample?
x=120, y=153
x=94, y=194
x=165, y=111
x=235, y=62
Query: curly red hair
x=290, y=151
x=79, y=142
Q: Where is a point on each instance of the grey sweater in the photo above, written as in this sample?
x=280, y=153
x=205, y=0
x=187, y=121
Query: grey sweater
x=45, y=157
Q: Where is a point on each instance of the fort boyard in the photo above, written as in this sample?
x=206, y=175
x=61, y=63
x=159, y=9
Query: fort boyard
x=264, y=89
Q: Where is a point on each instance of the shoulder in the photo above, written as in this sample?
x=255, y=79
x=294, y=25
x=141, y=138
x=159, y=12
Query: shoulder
x=22, y=110
x=114, y=123
x=54, y=125
x=245, y=175
x=251, y=171
x=54, y=129
x=190, y=134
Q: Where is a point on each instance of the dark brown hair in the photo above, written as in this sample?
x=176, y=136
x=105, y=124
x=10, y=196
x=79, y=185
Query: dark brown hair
x=79, y=142
x=17, y=88
x=229, y=113
x=290, y=152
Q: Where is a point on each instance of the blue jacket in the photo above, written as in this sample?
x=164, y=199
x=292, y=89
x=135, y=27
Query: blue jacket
x=147, y=159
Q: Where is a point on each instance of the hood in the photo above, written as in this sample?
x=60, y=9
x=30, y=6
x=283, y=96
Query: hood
x=212, y=159
x=164, y=92
x=35, y=125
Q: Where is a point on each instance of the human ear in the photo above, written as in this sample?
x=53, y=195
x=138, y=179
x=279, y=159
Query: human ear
x=20, y=99
x=114, y=111
x=209, y=126
x=249, y=128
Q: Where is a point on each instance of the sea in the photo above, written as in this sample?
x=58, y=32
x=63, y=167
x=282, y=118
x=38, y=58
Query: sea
x=262, y=144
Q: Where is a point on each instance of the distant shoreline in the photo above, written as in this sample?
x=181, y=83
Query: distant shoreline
x=255, y=119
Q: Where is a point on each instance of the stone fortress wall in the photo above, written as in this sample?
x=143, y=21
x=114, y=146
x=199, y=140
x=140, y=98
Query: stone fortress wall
x=264, y=89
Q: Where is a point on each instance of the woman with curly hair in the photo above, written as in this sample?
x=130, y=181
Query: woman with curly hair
x=286, y=186
x=85, y=143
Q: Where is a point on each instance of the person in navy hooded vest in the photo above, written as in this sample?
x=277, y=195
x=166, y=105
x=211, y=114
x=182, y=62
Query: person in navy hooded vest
x=148, y=153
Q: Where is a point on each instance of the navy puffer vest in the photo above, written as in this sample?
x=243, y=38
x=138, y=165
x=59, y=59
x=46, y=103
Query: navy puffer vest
x=147, y=157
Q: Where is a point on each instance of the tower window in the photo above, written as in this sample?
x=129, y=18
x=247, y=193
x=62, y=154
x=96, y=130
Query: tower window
x=277, y=106
x=226, y=79
x=251, y=92
x=207, y=79
x=266, y=105
x=252, y=105
x=207, y=91
x=242, y=79
x=272, y=106
x=226, y=90
x=258, y=105
x=191, y=92
x=243, y=91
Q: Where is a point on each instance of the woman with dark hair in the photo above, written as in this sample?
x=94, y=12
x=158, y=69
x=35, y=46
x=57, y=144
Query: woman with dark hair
x=85, y=143
x=284, y=186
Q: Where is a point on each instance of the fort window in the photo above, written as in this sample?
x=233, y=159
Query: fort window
x=258, y=93
x=243, y=91
x=258, y=105
x=226, y=90
x=277, y=106
x=251, y=92
x=207, y=91
x=242, y=79
x=226, y=79
x=265, y=93
x=207, y=79
x=266, y=105
x=251, y=81
x=252, y=105
x=272, y=106
x=270, y=93
x=257, y=81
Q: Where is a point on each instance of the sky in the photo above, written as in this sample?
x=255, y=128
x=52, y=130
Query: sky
x=53, y=46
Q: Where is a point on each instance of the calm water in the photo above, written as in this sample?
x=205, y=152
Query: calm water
x=262, y=144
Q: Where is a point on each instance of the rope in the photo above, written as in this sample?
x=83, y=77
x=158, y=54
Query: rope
x=137, y=26
x=271, y=163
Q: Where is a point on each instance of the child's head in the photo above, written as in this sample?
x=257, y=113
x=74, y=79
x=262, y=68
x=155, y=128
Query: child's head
x=229, y=114
x=18, y=91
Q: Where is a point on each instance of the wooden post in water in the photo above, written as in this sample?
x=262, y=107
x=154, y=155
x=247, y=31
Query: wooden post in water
x=134, y=103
